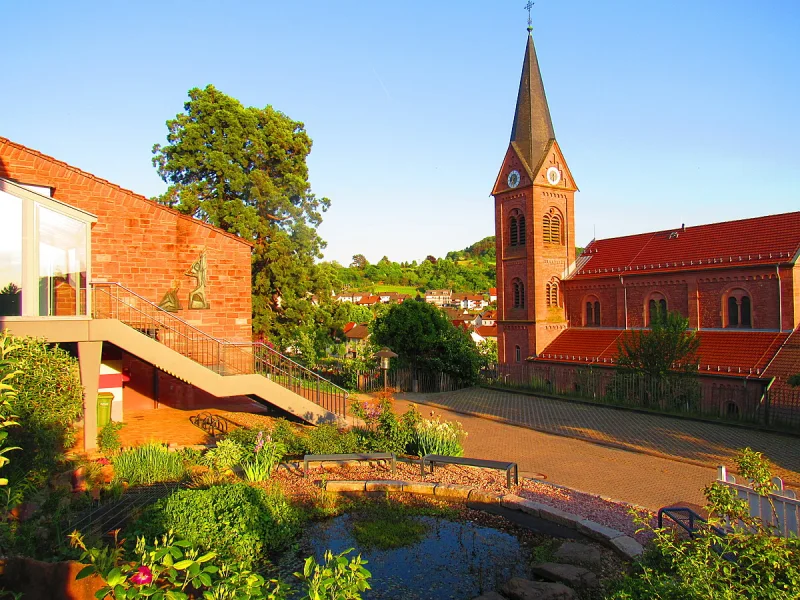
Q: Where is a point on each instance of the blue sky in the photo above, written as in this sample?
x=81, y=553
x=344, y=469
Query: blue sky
x=667, y=112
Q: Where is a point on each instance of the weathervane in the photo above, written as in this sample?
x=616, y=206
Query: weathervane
x=529, y=6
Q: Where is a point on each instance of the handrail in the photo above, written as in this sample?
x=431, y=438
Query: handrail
x=673, y=512
x=220, y=355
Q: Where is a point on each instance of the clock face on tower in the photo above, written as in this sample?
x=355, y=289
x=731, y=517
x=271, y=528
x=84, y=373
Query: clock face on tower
x=513, y=179
x=553, y=175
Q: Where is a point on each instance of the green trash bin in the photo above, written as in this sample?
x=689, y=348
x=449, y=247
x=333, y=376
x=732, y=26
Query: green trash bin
x=104, y=400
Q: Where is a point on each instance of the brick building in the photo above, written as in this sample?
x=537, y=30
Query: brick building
x=156, y=305
x=737, y=282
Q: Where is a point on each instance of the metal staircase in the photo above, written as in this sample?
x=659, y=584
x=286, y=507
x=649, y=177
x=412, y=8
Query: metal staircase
x=225, y=358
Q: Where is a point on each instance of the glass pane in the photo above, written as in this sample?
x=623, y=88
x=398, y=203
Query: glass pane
x=62, y=264
x=733, y=312
x=11, y=256
x=746, y=312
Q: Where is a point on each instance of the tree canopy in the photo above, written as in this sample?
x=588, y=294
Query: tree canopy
x=423, y=337
x=667, y=347
x=243, y=169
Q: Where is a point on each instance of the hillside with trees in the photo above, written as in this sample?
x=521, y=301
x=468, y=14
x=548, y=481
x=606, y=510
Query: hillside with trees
x=469, y=270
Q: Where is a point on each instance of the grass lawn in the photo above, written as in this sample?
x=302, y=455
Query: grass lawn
x=400, y=289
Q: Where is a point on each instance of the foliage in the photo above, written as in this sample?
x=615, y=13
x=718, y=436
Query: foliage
x=244, y=169
x=267, y=455
x=794, y=380
x=7, y=394
x=433, y=436
x=388, y=528
x=667, y=347
x=328, y=439
x=749, y=561
x=227, y=454
x=383, y=431
x=48, y=401
x=288, y=435
x=148, y=464
x=336, y=578
x=169, y=569
x=239, y=522
x=488, y=351
x=108, y=438
x=423, y=337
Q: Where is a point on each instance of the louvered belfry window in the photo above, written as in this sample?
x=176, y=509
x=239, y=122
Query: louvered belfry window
x=513, y=231
x=551, y=228
x=516, y=228
x=551, y=293
x=521, y=224
x=518, y=291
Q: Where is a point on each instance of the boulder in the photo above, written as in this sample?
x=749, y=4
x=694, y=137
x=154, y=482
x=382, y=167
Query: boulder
x=523, y=589
x=54, y=581
x=575, y=577
x=575, y=553
x=627, y=547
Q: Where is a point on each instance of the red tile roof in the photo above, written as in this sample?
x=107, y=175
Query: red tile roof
x=762, y=240
x=736, y=352
x=786, y=362
x=487, y=331
x=359, y=332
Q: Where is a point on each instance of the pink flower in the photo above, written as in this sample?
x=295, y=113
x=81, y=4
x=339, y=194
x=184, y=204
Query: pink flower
x=143, y=576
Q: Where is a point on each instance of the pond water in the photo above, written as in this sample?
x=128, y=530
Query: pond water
x=455, y=560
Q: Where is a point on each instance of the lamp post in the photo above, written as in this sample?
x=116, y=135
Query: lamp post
x=385, y=354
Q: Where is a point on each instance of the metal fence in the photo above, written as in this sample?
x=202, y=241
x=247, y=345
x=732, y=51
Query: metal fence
x=402, y=379
x=728, y=398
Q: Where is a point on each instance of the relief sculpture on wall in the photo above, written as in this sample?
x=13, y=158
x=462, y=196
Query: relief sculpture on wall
x=199, y=270
x=170, y=302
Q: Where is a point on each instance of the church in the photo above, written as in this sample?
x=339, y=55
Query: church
x=737, y=282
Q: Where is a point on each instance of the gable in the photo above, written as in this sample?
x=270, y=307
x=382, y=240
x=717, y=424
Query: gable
x=512, y=162
x=554, y=162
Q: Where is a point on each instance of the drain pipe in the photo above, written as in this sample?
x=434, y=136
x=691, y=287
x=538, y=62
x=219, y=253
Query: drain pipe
x=625, y=296
x=780, y=298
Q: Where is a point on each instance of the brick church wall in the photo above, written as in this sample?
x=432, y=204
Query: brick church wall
x=762, y=287
x=145, y=246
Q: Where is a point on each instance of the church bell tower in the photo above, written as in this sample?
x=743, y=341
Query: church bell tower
x=534, y=199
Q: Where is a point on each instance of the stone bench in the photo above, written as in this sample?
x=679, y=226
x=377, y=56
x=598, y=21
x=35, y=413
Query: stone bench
x=347, y=457
x=508, y=467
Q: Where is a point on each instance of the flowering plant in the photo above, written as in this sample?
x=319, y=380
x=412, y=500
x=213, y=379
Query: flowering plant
x=166, y=569
x=433, y=436
x=267, y=454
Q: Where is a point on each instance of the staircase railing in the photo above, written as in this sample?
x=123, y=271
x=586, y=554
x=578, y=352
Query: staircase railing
x=115, y=301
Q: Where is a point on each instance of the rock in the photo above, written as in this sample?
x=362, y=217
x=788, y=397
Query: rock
x=523, y=589
x=412, y=487
x=476, y=495
x=55, y=581
x=490, y=596
x=575, y=553
x=79, y=480
x=596, y=531
x=451, y=490
x=576, y=577
x=512, y=501
x=345, y=486
x=384, y=485
x=627, y=547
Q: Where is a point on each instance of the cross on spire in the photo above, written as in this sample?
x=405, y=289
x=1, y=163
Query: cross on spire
x=529, y=6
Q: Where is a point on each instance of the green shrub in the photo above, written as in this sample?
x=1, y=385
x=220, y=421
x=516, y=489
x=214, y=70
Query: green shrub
x=383, y=431
x=327, y=439
x=284, y=432
x=266, y=455
x=245, y=436
x=108, y=438
x=239, y=522
x=148, y=464
x=49, y=400
x=227, y=454
x=433, y=436
x=750, y=561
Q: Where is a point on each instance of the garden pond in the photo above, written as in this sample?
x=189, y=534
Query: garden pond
x=441, y=559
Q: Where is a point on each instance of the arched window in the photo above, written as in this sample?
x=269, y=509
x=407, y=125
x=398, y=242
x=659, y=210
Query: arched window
x=516, y=228
x=551, y=227
x=738, y=309
x=656, y=307
x=518, y=290
x=513, y=231
x=592, y=316
x=518, y=353
x=551, y=293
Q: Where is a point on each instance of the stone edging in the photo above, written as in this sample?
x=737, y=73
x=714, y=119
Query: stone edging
x=624, y=545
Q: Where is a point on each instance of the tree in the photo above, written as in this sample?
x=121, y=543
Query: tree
x=423, y=337
x=359, y=261
x=667, y=347
x=243, y=169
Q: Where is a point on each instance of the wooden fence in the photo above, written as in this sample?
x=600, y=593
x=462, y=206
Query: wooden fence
x=780, y=509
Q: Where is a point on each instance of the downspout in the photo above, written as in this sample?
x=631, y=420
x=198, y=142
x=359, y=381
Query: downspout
x=625, y=297
x=780, y=298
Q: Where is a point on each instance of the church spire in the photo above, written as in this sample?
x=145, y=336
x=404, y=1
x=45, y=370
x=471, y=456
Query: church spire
x=533, y=128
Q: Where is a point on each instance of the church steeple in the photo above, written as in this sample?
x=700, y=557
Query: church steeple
x=533, y=128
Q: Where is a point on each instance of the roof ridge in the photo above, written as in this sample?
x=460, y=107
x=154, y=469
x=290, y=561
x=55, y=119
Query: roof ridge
x=47, y=157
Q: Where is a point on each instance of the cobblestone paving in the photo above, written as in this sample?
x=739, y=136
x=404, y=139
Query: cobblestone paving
x=700, y=443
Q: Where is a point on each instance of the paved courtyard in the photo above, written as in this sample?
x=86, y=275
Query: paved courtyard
x=643, y=459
